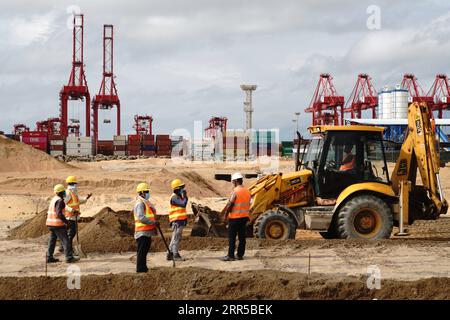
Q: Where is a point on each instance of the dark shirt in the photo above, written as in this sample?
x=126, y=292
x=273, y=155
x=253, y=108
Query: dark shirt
x=60, y=205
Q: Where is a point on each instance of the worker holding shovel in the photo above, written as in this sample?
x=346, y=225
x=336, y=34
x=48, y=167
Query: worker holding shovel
x=177, y=218
x=72, y=213
x=145, y=225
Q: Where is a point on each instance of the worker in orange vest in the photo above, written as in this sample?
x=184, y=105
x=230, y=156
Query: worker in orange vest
x=57, y=225
x=237, y=213
x=72, y=212
x=145, y=225
x=177, y=218
x=349, y=161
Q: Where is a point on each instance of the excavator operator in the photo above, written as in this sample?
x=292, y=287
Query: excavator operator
x=349, y=160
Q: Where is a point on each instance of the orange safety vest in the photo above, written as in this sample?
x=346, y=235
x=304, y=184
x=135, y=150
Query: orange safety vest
x=176, y=213
x=241, y=205
x=349, y=165
x=52, y=218
x=74, y=203
x=138, y=225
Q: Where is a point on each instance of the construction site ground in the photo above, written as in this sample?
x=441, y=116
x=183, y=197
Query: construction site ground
x=309, y=267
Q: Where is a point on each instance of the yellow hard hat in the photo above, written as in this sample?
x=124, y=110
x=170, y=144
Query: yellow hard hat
x=142, y=187
x=58, y=188
x=176, y=184
x=71, y=179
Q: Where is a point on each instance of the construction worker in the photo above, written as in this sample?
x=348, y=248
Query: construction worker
x=145, y=225
x=177, y=218
x=237, y=215
x=72, y=212
x=349, y=160
x=57, y=224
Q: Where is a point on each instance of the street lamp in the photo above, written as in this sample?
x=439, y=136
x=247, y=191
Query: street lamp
x=297, y=114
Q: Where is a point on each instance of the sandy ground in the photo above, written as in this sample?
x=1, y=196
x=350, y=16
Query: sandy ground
x=425, y=254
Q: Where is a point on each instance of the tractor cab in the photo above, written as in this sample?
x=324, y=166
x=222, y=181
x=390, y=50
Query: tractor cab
x=341, y=156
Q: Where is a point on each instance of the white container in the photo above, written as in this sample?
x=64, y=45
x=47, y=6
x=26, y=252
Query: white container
x=119, y=153
x=56, y=142
x=56, y=152
x=120, y=138
x=82, y=145
x=79, y=139
x=120, y=142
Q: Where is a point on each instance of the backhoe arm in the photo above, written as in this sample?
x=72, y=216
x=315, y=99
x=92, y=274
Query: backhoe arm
x=419, y=152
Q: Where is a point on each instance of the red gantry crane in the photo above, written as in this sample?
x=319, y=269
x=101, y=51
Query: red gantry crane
x=416, y=92
x=107, y=97
x=363, y=97
x=143, y=124
x=216, y=124
x=439, y=94
x=77, y=88
x=325, y=103
x=52, y=126
x=19, y=128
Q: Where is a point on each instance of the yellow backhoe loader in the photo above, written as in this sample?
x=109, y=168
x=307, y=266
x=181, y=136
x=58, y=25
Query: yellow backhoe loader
x=341, y=186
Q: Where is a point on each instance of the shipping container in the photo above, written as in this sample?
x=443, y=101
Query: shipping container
x=120, y=153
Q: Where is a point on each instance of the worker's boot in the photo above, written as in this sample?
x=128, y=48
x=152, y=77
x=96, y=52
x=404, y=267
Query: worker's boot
x=177, y=257
x=169, y=256
x=72, y=260
x=52, y=260
x=227, y=258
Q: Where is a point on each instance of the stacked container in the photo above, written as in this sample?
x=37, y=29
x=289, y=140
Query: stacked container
x=79, y=146
x=134, y=145
x=120, y=145
x=36, y=139
x=240, y=143
x=56, y=144
x=105, y=147
x=229, y=145
x=263, y=143
x=163, y=145
x=148, y=145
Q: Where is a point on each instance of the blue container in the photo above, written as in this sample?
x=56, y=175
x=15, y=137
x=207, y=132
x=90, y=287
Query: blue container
x=148, y=147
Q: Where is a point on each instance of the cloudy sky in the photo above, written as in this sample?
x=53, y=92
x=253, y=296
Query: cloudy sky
x=182, y=61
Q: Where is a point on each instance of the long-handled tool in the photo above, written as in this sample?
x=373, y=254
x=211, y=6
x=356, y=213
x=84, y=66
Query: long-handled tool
x=165, y=243
x=79, y=251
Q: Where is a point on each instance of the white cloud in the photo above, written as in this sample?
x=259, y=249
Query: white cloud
x=23, y=31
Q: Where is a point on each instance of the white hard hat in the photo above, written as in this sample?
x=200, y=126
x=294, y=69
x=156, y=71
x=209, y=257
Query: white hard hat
x=237, y=176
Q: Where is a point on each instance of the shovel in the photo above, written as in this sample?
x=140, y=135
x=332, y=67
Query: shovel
x=165, y=243
x=79, y=251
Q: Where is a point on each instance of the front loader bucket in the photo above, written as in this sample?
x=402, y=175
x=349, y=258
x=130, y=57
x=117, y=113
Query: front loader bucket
x=207, y=222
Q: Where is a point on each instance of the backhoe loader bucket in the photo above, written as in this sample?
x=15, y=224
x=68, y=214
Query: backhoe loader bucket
x=207, y=222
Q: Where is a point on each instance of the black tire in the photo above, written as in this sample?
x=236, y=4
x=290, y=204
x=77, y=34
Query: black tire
x=365, y=217
x=332, y=232
x=276, y=225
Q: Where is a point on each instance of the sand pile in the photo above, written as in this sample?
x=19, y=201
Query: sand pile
x=196, y=283
x=113, y=232
x=31, y=228
x=17, y=156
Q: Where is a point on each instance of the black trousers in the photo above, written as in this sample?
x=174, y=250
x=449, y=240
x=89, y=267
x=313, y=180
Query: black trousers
x=71, y=232
x=61, y=234
x=143, y=247
x=237, y=227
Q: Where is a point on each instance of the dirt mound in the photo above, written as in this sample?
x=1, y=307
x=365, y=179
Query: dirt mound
x=31, y=228
x=113, y=232
x=196, y=283
x=17, y=156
